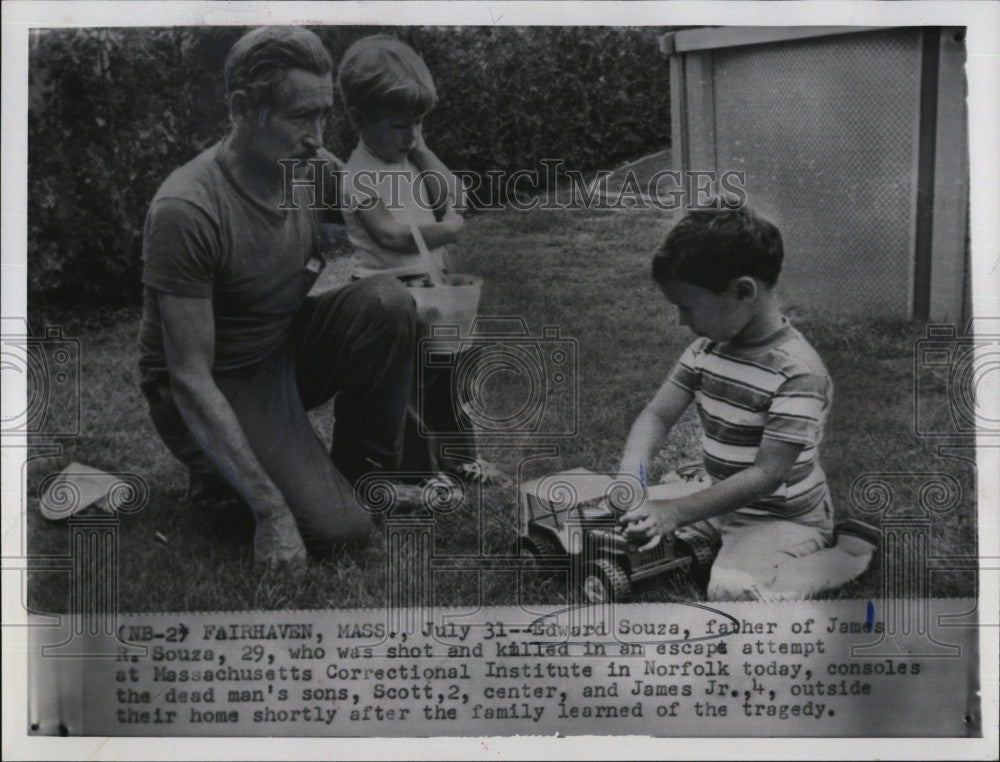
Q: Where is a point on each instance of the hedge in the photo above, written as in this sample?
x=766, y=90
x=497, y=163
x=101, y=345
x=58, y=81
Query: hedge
x=113, y=111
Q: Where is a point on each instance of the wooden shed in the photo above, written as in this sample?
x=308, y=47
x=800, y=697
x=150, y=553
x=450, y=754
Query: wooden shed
x=853, y=140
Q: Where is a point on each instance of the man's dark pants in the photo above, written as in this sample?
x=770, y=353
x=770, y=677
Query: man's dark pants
x=355, y=343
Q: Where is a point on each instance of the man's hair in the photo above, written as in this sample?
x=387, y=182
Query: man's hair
x=711, y=247
x=381, y=75
x=259, y=60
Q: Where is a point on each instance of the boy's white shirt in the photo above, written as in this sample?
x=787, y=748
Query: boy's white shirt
x=366, y=173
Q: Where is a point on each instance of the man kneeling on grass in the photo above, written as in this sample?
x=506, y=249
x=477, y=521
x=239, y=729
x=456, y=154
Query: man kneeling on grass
x=232, y=350
x=762, y=394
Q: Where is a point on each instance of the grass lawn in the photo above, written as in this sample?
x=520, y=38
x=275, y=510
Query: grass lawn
x=586, y=272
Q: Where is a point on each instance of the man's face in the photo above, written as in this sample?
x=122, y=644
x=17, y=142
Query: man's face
x=716, y=316
x=294, y=127
x=391, y=136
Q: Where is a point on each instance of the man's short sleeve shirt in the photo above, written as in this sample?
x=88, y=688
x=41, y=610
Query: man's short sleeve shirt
x=207, y=238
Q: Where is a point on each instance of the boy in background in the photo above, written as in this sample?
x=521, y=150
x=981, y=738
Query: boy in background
x=762, y=395
x=388, y=90
x=393, y=181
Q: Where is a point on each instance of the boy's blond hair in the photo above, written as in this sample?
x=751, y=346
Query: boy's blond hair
x=381, y=74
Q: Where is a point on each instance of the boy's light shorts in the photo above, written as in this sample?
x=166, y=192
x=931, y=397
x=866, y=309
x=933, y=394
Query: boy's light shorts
x=754, y=547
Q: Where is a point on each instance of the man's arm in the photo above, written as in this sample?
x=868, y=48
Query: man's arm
x=652, y=425
x=770, y=470
x=189, y=344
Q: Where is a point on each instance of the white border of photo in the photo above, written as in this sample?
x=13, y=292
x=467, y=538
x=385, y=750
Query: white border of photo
x=983, y=45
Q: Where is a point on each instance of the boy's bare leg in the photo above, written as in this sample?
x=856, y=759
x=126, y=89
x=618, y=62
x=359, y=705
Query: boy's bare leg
x=449, y=434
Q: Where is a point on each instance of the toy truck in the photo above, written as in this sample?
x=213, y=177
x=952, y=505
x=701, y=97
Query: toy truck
x=572, y=518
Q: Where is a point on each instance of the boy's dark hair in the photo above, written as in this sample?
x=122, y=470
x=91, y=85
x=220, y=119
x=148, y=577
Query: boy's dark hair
x=711, y=247
x=260, y=59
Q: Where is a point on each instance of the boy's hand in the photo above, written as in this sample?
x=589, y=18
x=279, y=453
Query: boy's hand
x=418, y=142
x=420, y=153
x=452, y=221
x=648, y=523
x=443, y=188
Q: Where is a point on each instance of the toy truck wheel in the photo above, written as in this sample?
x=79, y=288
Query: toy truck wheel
x=537, y=545
x=605, y=581
x=702, y=552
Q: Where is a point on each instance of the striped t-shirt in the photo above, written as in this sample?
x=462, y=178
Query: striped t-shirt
x=778, y=388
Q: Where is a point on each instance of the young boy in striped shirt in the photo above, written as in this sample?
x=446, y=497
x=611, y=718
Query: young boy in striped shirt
x=762, y=394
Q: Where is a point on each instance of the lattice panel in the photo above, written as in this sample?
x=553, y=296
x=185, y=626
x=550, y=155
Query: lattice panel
x=827, y=132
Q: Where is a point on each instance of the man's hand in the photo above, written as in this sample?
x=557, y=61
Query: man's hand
x=649, y=522
x=277, y=543
x=189, y=343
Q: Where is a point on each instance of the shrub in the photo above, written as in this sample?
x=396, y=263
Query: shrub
x=113, y=111
x=511, y=96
